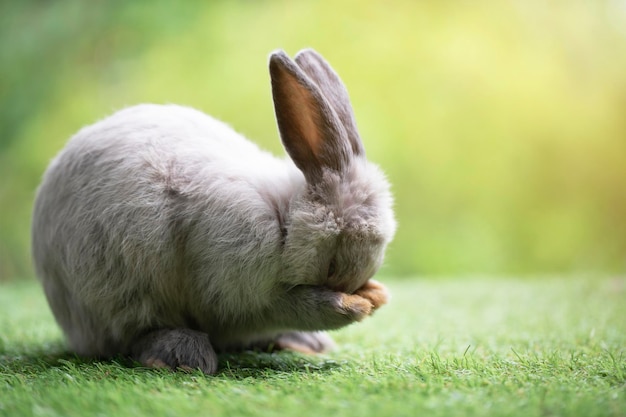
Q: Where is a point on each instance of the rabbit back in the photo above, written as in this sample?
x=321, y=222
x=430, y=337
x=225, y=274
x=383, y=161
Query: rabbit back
x=154, y=217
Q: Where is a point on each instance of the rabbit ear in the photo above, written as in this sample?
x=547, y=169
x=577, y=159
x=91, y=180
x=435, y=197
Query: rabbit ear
x=309, y=128
x=335, y=92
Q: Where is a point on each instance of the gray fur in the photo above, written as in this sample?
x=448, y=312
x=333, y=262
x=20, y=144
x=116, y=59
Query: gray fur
x=160, y=224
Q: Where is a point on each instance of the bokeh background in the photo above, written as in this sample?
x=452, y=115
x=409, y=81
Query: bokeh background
x=501, y=124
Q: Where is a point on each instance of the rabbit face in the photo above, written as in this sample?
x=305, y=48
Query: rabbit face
x=338, y=228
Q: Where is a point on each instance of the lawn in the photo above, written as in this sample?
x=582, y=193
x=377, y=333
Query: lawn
x=554, y=346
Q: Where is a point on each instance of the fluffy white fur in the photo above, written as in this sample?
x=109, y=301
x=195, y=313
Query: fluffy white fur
x=161, y=217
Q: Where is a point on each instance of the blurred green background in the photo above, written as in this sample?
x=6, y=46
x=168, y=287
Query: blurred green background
x=501, y=124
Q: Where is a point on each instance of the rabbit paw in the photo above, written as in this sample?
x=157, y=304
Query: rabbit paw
x=319, y=308
x=355, y=306
x=375, y=292
x=304, y=342
x=176, y=349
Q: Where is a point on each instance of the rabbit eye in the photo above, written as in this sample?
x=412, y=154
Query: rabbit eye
x=331, y=268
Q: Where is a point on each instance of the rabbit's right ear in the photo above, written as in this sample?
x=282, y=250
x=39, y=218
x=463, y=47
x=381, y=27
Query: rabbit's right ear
x=329, y=83
x=309, y=127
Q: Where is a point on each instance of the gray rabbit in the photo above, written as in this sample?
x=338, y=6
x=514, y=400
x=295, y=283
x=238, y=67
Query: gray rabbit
x=161, y=234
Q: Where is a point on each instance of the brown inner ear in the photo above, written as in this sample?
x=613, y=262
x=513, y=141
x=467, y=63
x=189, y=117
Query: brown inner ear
x=309, y=128
x=305, y=112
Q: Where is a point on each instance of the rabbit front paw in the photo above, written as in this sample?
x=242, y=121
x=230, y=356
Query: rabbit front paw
x=354, y=306
x=319, y=308
x=375, y=292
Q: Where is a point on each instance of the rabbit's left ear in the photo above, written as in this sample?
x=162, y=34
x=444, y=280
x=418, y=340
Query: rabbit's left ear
x=316, y=67
x=309, y=126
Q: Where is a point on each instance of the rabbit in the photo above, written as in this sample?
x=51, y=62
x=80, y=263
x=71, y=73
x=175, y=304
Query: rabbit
x=162, y=235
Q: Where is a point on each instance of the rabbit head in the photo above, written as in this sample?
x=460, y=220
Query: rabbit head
x=339, y=225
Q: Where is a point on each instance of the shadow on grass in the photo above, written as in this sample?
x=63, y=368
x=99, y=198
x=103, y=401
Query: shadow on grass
x=54, y=358
x=260, y=364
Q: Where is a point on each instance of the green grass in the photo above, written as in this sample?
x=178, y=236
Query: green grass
x=475, y=346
